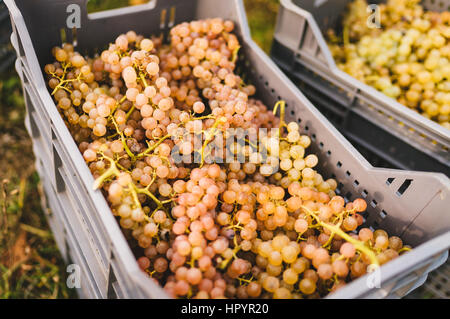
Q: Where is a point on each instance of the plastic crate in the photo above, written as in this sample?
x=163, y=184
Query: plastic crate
x=409, y=204
x=7, y=55
x=371, y=120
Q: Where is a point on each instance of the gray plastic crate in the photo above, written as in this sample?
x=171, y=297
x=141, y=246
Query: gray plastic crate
x=370, y=119
x=413, y=205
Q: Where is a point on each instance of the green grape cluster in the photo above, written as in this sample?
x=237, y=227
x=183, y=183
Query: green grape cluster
x=407, y=58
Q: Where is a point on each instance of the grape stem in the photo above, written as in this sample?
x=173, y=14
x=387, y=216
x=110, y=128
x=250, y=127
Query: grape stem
x=151, y=148
x=111, y=171
x=236, y=249
x=210, y=135
x=333, y=233
x=150, y=273
x=404, y=249
x=251, y=144
x=142, y=77
x=117, y=105
x=235, y=54
x=122, y=138
x=248, y=281
x=209, y=116
x=149, y=194
x=345, y=35
x=152, y=181
x=282, y=105
x=129, y=112
x=192, y=262
x=134, y=190
x=62, y=81
x=336, y=229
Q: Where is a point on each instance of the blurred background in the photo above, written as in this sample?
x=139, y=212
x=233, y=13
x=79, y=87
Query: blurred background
x=30, y=263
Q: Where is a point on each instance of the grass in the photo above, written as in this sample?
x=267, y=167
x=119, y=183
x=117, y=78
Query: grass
x=261, y=15
x=30, y=263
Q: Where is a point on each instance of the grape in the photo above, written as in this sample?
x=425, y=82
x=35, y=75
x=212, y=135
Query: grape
x=254, y=289
x=320, y=256
x=365, y=234
x=381, y=242
x=325, y=271
x=275, y=258
x=290, y=276
x=309, y=251
x=289, y=254
x=307, y=286
x=340, y=268
x=300, y=265
x=160, y=265
x=395, y=243
x=271, y=284
x=143, y=262
x=347, y=250
x=194, y=276
x=358, y=269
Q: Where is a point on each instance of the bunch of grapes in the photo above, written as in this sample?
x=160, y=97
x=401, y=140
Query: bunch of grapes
x=408, y=58
x=264, y=225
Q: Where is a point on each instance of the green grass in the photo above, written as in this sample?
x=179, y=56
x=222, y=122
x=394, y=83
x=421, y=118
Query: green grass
x=30, y=263
x=101, y=5
x=261, y=15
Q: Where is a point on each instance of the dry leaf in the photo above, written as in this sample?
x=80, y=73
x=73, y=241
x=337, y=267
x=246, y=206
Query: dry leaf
x=18, y=252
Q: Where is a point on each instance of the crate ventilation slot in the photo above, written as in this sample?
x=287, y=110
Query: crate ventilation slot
x=390, y=180
x=162, y=22
x=74, y=37
x=172, y=17
x=111, y=281
x=63, y=35
x=402, y=189
x=364, y=193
